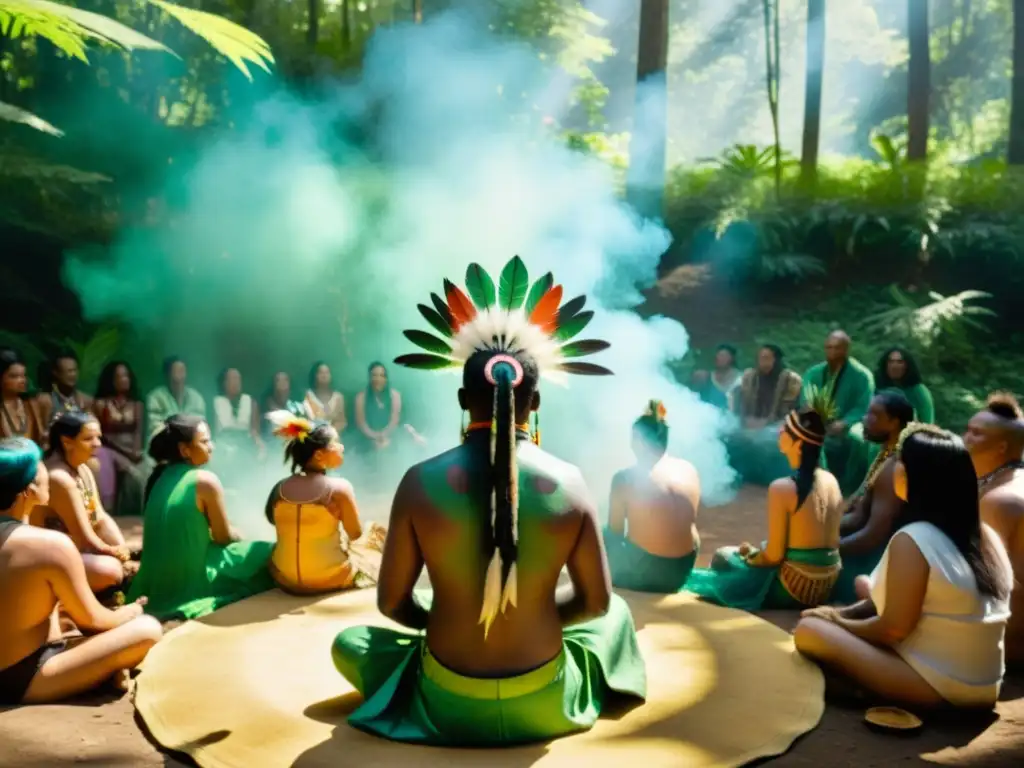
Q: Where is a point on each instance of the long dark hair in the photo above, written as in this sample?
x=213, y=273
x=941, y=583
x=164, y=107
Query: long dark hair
x=911, y=378
x=942, y=489
x=165, y=447
x=809, y=431
x=499, y=491
x=316, y=369
x=8, y=359
x=105, y=388
x=68, y=424
x=271, y=394
x=385, y=393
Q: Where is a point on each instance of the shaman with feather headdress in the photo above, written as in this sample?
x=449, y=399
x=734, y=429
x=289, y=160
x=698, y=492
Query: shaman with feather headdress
x=517, y=331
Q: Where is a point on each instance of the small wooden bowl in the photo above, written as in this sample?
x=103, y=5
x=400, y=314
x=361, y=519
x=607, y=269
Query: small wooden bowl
x=892, y=720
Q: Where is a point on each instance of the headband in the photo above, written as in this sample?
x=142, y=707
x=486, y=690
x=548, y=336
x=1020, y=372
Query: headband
x=513, y=319
x=801, y=432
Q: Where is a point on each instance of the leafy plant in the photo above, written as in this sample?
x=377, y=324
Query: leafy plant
x=70, y=30
x=944, y=318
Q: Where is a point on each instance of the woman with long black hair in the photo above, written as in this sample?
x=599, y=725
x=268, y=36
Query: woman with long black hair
x=799, y=563
x=931, y=632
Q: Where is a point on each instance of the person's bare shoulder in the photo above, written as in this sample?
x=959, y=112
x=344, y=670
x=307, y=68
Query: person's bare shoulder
x=207, y=481
x=1008, y=499
x=341, y=487
x=61, y=481
x=47, y=547
x=784, y=488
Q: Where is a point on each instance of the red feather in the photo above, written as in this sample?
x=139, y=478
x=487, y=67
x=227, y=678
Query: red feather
x=545, y=314
x=463, y=310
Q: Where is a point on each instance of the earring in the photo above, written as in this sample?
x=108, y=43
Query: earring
x=536, y=429
x=464, y=432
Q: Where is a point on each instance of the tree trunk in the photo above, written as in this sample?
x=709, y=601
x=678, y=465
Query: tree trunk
x=773, y=75
x=815, y=68
x=645, y=182
x=918, y=80
x=417, y=11
x=346, y=26
x=1016, y=153
x=313, y=28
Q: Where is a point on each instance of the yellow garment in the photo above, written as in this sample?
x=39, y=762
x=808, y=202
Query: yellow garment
x=309, y=556
x=253, y=685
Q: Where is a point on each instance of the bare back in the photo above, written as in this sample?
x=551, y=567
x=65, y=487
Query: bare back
x=659, y=506
x=815, y=525
x=27, y=599
x=1002, y=508
x=555, y=521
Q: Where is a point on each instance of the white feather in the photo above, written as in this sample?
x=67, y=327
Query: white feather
x=280, y=419
x=492, y=594
x=511, y=593
x=519, y=334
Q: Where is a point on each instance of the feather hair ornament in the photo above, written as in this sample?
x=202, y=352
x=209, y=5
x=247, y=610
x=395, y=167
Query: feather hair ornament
x=289, y=426
x=511, y=318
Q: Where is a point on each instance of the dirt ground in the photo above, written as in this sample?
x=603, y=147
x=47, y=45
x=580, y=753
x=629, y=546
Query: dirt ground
x=103, y=731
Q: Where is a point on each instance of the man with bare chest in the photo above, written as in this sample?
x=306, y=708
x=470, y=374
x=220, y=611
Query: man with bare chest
x=506, y=657
x=995, y=440
x=871, y=516
x=652, y=535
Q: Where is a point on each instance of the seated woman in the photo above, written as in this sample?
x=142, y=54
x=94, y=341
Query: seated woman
x=75, y=507
x=307, y=508
x=323, y=402
x=930, y=629
x=38, y=568
x=766, y=394
x=652, y=539
x=119, y=410
x=378, y=410
x=719, y=386
x=799, y=564
x=192, y=562
x=21, y=415
x=236, y=423
x=897, y=369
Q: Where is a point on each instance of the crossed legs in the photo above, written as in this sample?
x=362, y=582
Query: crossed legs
x=879, y=670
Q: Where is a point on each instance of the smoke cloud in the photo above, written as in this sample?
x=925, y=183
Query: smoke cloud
x=313, y=230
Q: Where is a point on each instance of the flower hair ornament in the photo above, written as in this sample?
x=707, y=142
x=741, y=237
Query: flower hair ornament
x=656, y=410
x=290, y=427
x=512, y=320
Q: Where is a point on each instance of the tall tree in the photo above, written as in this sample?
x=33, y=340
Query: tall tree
x=645, y=181
x=773, y=73
x=1016, y=153
x=919, y=75
x=417, y=11
x=815, y=69
x=313, y=28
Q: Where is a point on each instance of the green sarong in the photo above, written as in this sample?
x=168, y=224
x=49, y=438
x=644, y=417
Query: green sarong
x=637, y=569
x=182, y=572
x=410, y=697
x=853, y=386
x=731, y=582
x=854, y=566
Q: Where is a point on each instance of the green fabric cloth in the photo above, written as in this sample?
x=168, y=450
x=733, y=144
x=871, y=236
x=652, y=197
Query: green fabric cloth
x=755, y=455
x=183, y=572
x=637, y=569
x=160, y=404
x=734, y=584
x=410, y=697
x=847, y=454
x=854, y=566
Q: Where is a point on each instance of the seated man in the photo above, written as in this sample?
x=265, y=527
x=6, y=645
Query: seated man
x=494, y=521
x=658, y=499
x=871, y=516
x=849, y=385
x=767, y=394
x=995, y=440
x=38, y=568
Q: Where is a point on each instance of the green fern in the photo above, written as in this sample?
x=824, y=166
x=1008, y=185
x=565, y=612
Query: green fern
x=71, y=30
x=823, y=400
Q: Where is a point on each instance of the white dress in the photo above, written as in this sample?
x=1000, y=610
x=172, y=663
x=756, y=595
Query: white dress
x=957, y=646
x=230, y=420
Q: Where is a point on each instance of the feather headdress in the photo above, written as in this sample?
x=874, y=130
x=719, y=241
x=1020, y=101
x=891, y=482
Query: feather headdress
x=510, y=319
x=513, y=317
x=289, y=426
